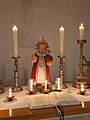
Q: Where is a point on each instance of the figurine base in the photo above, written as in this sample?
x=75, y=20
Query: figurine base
x=81, y=79
x=16, y=89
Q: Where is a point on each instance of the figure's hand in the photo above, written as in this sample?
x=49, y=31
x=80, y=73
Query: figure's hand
x=49, y=63
x=49, y=60
x=34, y=58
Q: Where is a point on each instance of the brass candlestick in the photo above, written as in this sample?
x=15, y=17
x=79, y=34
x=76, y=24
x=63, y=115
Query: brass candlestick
x=81, y=77
x=16, y=69
x=61, y=73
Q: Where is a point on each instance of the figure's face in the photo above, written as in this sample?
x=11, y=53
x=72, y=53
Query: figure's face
x=42, y=48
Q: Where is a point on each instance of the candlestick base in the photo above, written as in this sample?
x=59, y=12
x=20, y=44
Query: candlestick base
x=16, y=89
x=81, y=79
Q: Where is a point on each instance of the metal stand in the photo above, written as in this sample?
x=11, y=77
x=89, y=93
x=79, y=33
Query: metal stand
x=81, y=78
x=61, y=73
x=16, y=69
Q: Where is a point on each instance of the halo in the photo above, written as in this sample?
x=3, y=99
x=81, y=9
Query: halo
x=43, y=41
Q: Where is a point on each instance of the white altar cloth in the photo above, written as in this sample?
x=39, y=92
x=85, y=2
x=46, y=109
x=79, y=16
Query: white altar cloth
x=21, y=100
x=69, y=96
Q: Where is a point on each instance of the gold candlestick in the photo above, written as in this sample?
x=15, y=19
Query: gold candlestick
x=16, y=69
x=61, y=73
x=81, y=77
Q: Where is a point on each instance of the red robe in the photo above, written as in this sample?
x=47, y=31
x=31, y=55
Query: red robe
x=34, y=68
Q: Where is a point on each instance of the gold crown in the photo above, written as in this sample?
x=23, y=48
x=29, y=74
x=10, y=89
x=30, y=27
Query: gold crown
x=42, y=42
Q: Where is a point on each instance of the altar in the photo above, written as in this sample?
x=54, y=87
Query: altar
x=75, y=106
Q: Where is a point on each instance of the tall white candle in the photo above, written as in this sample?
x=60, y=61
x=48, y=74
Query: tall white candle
x=81, y=32
x=58, y=83
x=15, y=39
x=31, y=85
x=61, y=30
x=45, y=85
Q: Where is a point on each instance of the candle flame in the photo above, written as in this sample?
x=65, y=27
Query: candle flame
x=14, y=27
x=61, y=28
x=81, y=24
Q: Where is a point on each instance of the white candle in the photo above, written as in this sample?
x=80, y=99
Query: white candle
x=82, y=104
x=58, y=83
x=10, y=112
x=10, y=92
x=31, y=85
x=15, y=39
x=81, y=32
x=82, y=88
x=45, y=85
x=61, y=30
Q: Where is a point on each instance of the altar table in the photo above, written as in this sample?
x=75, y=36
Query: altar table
x=19, y=108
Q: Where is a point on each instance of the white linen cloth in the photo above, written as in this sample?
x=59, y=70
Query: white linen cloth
x=69, y=96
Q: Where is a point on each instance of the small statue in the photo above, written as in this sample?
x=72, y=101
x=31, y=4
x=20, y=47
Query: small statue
x=41, y=61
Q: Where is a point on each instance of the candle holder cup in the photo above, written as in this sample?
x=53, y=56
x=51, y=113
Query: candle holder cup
x=82, y=92
x=81, y=78
x=45, y=91
x=16, y=87
x=10, y=98
x=32, y=91
x=61, y=73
